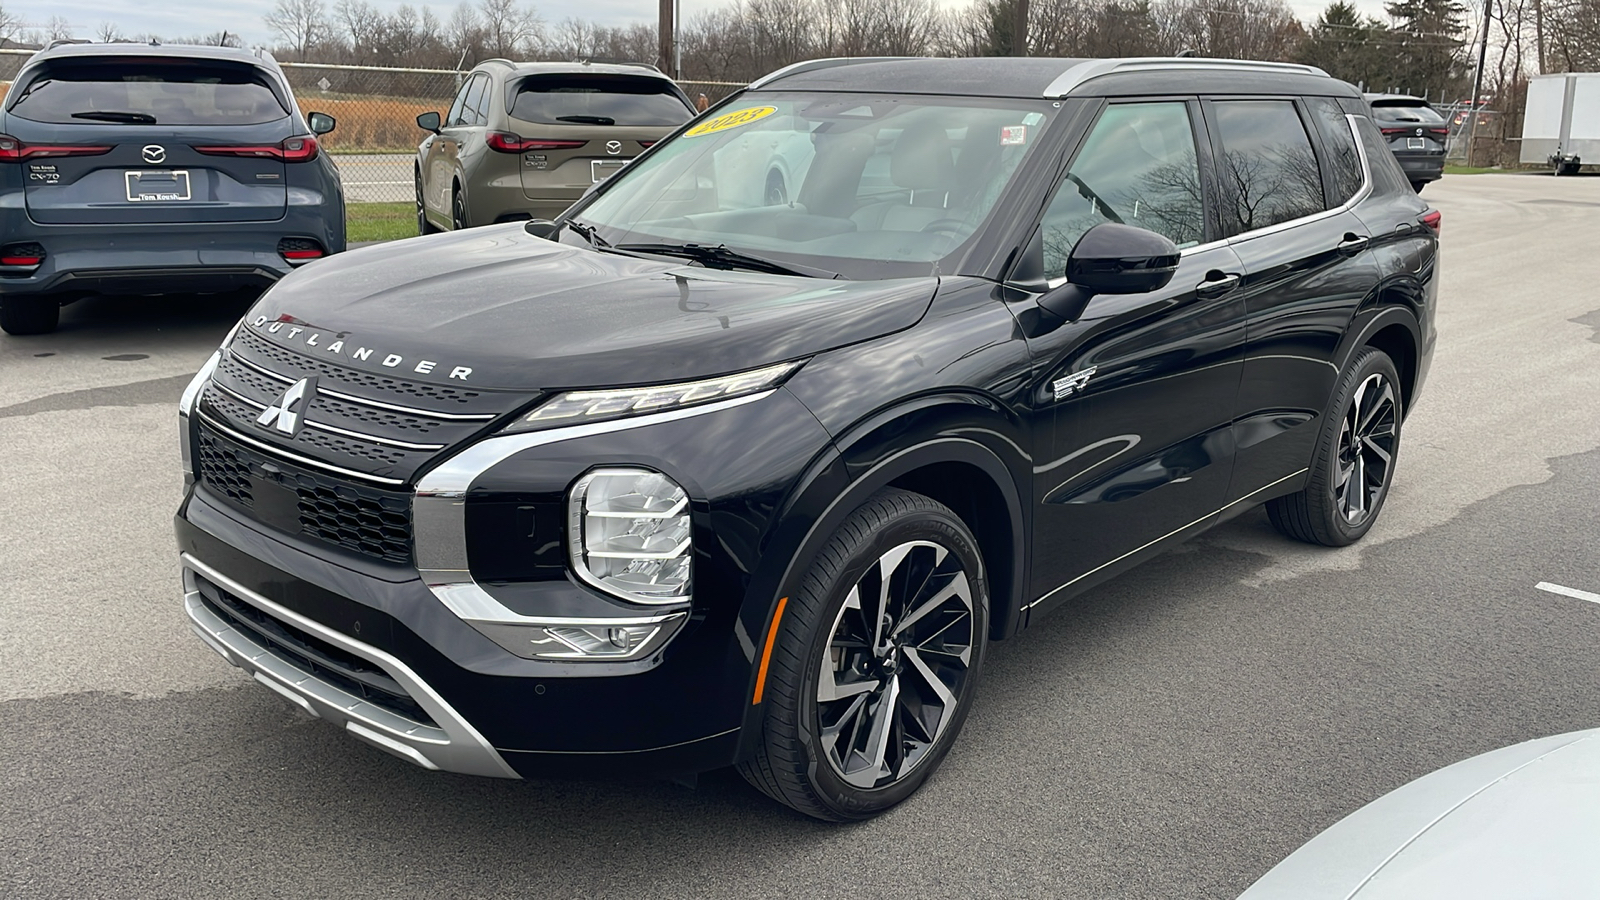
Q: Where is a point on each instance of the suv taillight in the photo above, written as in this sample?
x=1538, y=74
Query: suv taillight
x=506, y=142
x=13, y=150
x=295, y=149
x=1431, y=219
x=299, y=250
x=29, y=254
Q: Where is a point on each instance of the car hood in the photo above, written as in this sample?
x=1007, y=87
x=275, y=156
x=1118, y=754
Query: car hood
x=518, y=312
x=1517, y=822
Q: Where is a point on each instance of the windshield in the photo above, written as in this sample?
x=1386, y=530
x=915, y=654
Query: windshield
x=824, y=179
x=1406, y=111
x=598, y=100
x=149, y=92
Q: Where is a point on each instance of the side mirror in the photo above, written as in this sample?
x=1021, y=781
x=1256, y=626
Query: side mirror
x=429, y=121
x=320, y=123
x=1122, y=259
x=541, y=228
x=1112, y=258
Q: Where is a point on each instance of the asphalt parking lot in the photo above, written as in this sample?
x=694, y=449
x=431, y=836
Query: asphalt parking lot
x=1173, y=734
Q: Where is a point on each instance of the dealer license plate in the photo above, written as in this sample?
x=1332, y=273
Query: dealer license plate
x=157, y=185
x=601, y=169
x=1415, y=144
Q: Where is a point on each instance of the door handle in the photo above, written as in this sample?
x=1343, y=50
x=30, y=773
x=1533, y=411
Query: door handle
x=1216, y=284
x=1353, y=244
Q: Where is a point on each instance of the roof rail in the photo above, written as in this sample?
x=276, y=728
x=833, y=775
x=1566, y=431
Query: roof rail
x=608, y=61
x=1069, y=80
x=812, y=65
x=502, y=61
x=61, y=42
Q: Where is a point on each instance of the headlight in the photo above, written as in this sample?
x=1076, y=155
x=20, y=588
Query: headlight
x=574, y=407
x=191, y=393
x=629, y=535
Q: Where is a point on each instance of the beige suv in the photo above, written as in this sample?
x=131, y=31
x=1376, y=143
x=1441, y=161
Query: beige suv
x=524, y=140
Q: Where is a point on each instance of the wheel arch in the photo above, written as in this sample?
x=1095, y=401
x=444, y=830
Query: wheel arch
x=1390, y=322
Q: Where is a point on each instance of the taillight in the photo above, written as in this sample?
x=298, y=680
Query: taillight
x=21, y=255
x=1439, y=132
x=1431, y=219
x=13, y=150
x=1395, y=130
x=647, y=143
x=506, y=142
x=299, y=250
x=295, y=149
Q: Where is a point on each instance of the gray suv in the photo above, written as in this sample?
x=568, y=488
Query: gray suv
x=144, y=169
x=525, y=140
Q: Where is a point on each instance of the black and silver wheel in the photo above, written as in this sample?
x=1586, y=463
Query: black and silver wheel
x=29, y=315
x=458, y=210
x=777, y=191
x=1355, y=459
x=875, y=662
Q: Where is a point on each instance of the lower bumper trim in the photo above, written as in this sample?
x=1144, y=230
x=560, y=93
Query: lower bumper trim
x=451, y=745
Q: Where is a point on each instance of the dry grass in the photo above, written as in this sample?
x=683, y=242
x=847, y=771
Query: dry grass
x=373, y=124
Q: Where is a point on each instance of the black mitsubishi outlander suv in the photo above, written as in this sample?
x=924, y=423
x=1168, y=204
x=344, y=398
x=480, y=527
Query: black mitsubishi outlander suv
x=694, y=476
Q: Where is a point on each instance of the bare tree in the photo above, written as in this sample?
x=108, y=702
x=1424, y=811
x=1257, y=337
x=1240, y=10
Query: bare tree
x=509, y=29
x=109, y=32
x=58, y=29
x=10, y=25
x=302, y=24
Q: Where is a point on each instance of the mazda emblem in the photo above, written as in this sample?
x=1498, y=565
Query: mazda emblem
x=613, y=147
x=155, y=154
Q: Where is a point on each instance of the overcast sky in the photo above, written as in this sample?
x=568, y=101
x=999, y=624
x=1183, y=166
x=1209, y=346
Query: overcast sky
x=188, y=17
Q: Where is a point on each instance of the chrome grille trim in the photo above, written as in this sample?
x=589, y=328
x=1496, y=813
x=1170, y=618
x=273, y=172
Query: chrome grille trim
x=363, y=401
x=296, y=458
x=322, y=426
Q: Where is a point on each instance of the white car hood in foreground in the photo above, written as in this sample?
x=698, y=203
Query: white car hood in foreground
x=1521, y=822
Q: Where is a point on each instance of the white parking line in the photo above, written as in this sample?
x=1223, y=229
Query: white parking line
x=1568, y=592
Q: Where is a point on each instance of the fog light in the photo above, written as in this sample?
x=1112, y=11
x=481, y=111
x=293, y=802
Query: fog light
x=629, y=535
x=594, y=641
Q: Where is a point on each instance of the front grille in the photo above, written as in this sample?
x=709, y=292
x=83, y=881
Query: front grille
x=289, y=361
x=297, y=500
x=342, y=669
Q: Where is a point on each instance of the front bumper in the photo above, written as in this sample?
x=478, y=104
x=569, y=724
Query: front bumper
x=439, y=738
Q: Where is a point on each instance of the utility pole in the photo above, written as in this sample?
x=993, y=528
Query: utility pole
x=1477, y=81
x=1019, y=29
x=667, y=34
x=1538, y=30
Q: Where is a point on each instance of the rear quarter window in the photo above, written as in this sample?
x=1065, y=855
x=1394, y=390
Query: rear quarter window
x=597, y=100
x=172, y=92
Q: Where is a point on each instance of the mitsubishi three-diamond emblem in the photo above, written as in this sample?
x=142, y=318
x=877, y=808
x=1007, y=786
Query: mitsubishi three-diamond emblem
x=288, y=413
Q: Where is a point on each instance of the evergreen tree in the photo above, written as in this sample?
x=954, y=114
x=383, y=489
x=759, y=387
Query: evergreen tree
x=1350, y=47
x=1427, y=45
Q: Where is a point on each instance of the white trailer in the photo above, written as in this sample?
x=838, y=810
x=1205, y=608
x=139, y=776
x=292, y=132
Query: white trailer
x=1561, y=121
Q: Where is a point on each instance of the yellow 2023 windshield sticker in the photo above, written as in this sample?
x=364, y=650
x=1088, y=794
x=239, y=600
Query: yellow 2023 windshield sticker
x=731, y=120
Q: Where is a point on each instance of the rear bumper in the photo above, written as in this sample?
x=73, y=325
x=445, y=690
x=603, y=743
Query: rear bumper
x=1421, y=166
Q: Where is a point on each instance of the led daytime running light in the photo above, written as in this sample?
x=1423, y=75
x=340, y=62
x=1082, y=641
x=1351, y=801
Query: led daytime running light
x=587, y=406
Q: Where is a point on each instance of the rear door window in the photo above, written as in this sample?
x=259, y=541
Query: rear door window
x=146, y=92
x=597, y=100
x=468, y=116
x=1267, y=169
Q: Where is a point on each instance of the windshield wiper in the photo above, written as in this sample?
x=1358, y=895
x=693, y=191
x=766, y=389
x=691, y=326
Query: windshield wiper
x=588, y=120
x=587, y=233
x=135, y=118
x=721, y=256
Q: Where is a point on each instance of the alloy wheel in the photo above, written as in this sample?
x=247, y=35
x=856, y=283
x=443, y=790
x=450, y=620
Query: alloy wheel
x=1367, y=440
x=895, y=664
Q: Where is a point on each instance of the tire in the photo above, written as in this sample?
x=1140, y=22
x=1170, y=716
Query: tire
x=837, y=695
x=776, y=192
x=458, y=211
x=1328, y=511
x=29, y=315
x=423, y=225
